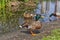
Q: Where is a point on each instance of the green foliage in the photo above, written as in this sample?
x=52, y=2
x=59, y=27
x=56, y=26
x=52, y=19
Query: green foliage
x=55, y=35
x=26, y=0
x=5, y=18
x=36, y=1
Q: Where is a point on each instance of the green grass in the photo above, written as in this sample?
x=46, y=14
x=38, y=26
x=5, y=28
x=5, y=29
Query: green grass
x=55, y=35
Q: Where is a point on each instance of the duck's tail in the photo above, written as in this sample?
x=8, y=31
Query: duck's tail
x=20, y=26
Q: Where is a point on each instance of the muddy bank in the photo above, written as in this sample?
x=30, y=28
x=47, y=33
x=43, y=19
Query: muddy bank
x=23, y=34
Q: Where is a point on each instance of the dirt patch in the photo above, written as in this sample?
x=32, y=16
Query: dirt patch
x=23, y=34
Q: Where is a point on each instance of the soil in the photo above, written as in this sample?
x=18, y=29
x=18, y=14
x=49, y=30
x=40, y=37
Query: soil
x=24, y=34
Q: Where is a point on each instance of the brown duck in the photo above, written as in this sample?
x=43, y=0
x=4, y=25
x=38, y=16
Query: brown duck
x=35, y=25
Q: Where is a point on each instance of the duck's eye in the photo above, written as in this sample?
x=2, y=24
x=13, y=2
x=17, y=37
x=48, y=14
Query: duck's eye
x=12, y=5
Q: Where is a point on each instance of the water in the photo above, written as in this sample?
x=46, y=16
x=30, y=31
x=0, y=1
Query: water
x=58, y=8
x=48, y=13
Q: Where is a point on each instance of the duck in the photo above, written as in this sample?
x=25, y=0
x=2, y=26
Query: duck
x=53, y=14
x=35, y=25
x=28, y=17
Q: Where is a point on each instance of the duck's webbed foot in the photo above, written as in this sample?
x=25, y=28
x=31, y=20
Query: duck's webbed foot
x=32, y=33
